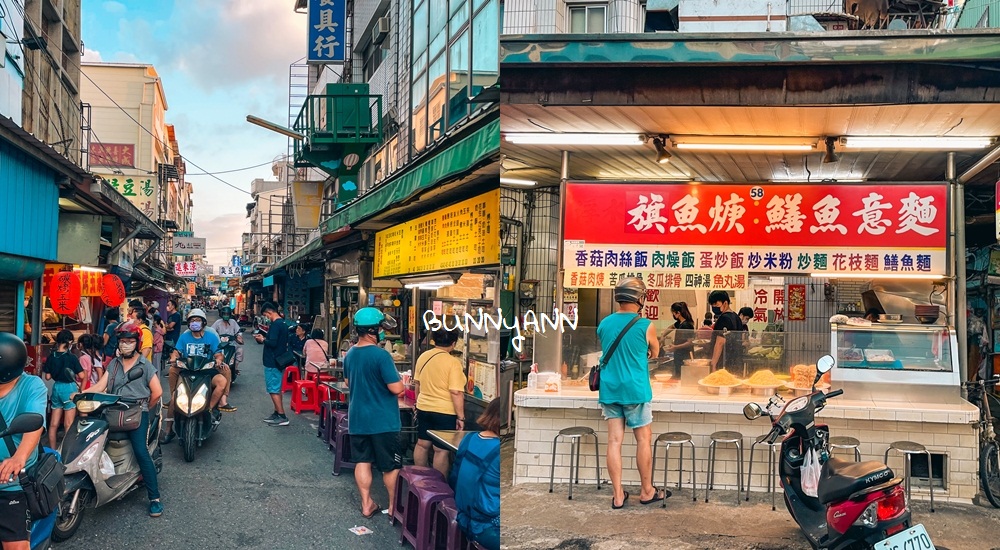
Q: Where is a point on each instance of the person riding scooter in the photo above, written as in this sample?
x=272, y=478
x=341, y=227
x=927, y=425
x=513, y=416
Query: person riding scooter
x=197, y=342
x=227, y=327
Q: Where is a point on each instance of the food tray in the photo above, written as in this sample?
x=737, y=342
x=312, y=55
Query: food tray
x=879, y=356
x=798, y=392
x=718, y=390
x=763, y=390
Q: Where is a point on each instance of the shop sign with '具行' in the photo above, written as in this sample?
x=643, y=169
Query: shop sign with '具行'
x=712, y=235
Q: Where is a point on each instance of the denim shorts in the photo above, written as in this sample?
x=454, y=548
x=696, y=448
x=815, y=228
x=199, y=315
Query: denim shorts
x=272, y=379
x=61, y=392
x=636, y=416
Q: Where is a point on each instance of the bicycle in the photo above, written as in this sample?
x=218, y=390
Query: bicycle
x=989, y=443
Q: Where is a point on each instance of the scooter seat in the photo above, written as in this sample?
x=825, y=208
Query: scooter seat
x=118, y=436
x=840, y=479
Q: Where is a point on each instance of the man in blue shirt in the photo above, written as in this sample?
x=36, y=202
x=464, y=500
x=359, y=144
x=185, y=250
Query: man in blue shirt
x=19, y=394
x=197, y=342
x=275, y=343
x=373, y=414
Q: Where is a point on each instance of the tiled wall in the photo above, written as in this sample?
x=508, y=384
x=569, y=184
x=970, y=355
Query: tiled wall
x=536, y=428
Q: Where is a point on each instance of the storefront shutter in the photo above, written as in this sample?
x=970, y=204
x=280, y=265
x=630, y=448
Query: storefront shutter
x=8, y=299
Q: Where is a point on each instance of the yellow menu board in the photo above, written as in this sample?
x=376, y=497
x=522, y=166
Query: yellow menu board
x=465, y=234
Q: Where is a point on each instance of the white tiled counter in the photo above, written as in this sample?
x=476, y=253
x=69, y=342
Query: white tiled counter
x=876, y=414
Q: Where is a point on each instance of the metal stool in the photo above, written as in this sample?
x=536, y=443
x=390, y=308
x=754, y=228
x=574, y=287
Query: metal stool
x=771, y=461
x=841, y=442
x=735, y=438
x=908, y=449
x=680, y=439
x=575, y=435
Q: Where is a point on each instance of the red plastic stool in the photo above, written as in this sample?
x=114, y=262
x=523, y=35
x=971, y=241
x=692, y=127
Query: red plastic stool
x=445, y=532
x=289, y=378
x=422, y=500
x=304, y=397
x=342, y=447
x=324, y=393
x=327, y=378
x=407, y=476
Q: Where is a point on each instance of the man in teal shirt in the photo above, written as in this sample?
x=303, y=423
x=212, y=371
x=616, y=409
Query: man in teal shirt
x=626, y=393
x=19, y=394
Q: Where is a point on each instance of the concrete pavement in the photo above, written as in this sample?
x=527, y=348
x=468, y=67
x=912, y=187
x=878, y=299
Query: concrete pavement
x=250, y=486
x=532, y=518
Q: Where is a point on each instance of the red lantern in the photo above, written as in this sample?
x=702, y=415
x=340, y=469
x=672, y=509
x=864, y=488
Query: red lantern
x=113, y=291
x=64, y=292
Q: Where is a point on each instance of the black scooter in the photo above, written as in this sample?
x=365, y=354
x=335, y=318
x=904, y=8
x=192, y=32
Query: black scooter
x=193, y=418
x=228, y=348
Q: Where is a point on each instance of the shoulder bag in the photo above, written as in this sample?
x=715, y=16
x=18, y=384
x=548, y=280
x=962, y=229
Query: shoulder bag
x=43, y=483
x=122, y=417
x=595, y=371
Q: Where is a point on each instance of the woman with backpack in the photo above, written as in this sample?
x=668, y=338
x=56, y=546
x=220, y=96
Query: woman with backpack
x=90, y=359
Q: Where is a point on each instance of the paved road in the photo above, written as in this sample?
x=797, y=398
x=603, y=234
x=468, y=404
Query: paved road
x=250, y=486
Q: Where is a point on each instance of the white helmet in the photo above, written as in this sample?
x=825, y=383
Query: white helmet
x=196, y=312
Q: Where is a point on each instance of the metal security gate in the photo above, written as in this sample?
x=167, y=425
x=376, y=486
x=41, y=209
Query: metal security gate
x=8, y=303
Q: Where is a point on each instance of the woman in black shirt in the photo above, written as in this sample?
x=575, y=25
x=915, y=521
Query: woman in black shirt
x=65, y=370
x=683, y=335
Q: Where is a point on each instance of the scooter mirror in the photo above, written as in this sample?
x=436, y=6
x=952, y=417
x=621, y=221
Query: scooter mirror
x=752, y=411
x=134, y=374
x=24, y=423
x=825, y=364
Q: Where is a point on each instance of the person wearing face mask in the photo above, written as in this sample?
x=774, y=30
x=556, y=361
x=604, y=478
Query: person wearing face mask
x=275, y=343
x=683, y=335
x=197, y=342
x=727, y=349
x=227, y=326
x=147, y=390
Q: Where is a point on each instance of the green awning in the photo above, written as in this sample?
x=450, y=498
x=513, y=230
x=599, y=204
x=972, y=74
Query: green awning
x=307, y=249
x=661, y=5
x=449, y=162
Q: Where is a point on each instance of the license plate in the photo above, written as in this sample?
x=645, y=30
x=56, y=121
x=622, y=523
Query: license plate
x=914, y=538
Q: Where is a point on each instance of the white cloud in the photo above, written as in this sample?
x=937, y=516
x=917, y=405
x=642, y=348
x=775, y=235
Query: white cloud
x=92, y=56
x=114, y=7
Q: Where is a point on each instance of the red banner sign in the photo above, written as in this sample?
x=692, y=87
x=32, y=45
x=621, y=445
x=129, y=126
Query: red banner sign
x=113, y=291
x=758, y=228
x=64, y=292
x=117, y=155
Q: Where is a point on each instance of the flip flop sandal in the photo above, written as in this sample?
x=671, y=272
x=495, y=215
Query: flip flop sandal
x=378, y=509
x=613, y=507
x=657, y=497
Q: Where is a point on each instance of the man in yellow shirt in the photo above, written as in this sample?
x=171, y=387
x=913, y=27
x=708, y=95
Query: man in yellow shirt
x=137, y=313
x=440, y=389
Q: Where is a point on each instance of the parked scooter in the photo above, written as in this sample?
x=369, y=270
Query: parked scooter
x=857, y=504
x=41, y=529
x=88, y=485
x=193, y=418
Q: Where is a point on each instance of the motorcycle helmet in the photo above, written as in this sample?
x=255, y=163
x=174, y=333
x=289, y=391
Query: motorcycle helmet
x=196, y=312
x=225, y=311
x=370, y=320
x=631, y=290
x=13, y=357
x=129, y=330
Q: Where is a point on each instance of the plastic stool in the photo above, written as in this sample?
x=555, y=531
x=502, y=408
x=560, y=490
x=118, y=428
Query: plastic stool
x=422, y=499
x=575, y=436
x=304, y=397
x=342, y=448
x=735, y=438
x=908, y=449
x=324, y=393
x=842, y=442
x=445, y=532
x=289, y=378
x=771, y=463
x=337, y=417
x=408, y=475
x=325, y=418
x=680, y=439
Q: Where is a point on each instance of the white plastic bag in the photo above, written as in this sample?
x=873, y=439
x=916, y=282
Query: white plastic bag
x=810, y=473
x=107, y=465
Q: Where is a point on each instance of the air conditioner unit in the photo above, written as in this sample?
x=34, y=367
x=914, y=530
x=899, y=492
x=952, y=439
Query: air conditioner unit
x=381, y=30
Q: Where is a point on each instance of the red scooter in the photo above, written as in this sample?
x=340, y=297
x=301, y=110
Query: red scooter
x=858, y=505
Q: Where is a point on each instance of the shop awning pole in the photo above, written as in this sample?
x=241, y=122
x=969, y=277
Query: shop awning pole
x=560, y=245
x=958, y=217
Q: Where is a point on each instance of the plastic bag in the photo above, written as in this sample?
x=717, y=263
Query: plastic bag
x=810, y=473
x=107, y=466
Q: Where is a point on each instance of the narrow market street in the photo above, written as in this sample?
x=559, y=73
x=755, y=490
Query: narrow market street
x=250, y=486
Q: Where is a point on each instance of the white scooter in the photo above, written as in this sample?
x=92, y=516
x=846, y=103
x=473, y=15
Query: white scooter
x=82, y=450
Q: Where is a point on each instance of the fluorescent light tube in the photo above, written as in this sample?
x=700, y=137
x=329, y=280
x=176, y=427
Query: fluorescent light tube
x=745, y=147
x=92, y=269
x=518, y=182
x=943, y=143
x=552, y=138
x=878, y=276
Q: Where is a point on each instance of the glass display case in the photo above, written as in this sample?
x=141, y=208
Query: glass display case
x=479, y=346
x=902, y=353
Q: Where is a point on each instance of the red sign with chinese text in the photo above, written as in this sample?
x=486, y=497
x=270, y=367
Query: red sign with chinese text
x=117, y=155
x=64, y=292
x=847, y=216
x=112, y=291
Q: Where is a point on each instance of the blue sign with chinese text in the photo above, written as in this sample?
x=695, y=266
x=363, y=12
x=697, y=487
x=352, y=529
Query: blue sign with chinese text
x=327, y=35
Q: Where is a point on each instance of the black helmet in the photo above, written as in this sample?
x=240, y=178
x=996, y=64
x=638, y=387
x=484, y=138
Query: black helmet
x=225, y=310
x=631, y=290
x=13, y=357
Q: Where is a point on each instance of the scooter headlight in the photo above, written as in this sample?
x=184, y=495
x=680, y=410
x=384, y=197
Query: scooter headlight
x=199, y=399
x=87, y=406
x=183, y=402
x=79, y=462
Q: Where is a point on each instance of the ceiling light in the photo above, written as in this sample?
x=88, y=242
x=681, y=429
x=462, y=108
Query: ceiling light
x=517, y=182
x=428, y=286
x=941, y=143
x=831, y=155
x=575, y=139
x=878, y=276
x=91, y=269
x=744, y=143
x=662, y=156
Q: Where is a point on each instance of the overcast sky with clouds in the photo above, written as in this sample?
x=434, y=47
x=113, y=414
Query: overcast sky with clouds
x=219, y=60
